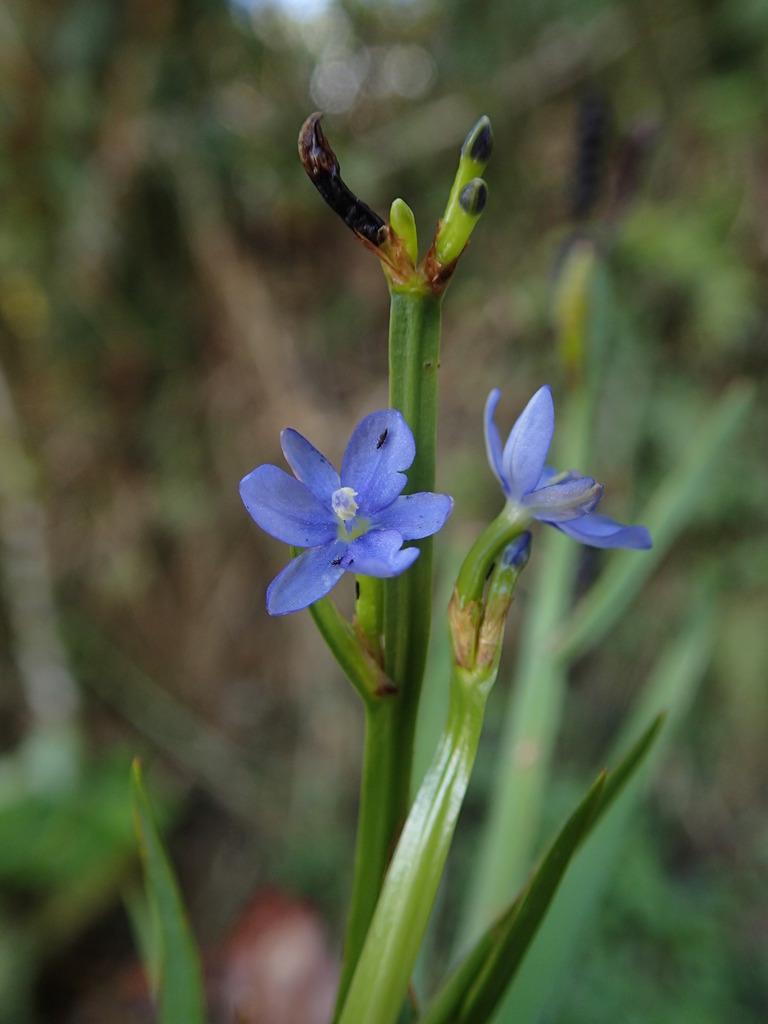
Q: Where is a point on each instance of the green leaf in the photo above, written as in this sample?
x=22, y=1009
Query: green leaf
x=55, y=841
x=527, y=913
x=619, y=776
x=447, y=1001
x=672, y=685
x=475, y=988
x=176, y=975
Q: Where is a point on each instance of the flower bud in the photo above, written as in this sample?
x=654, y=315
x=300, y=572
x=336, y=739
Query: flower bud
x=478, y=145
x=459, y=224
x=468, y=194
x=516, y=554
x=473, y=197
x=403, y=223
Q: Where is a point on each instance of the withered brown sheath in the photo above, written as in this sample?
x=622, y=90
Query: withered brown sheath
x=322, y=166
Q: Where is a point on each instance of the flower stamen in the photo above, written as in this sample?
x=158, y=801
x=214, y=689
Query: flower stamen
x=343, y=503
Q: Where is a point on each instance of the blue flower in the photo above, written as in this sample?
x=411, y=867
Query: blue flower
x=535, y=491
x=354, y=521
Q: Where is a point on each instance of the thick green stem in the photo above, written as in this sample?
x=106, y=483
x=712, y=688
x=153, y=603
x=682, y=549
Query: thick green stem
x=374, y=839
x=374, y=836
x=414, y=352
x=407, y=608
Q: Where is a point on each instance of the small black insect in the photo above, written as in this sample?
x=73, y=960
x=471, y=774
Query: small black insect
x=336, y=561
x=382, y=438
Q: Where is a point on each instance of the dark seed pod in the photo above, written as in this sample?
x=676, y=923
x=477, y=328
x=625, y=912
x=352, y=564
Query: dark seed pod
x=322, y=167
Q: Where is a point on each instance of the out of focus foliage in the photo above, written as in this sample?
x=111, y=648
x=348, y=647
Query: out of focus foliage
x=173, y=293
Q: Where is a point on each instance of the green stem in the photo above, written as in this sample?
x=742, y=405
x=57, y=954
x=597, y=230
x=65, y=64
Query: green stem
x=407, y=608
x=358, y=665
x=397, y=929
x=473, y=574
x=414, y=352
x=369, y=609
x=374, y=836
x=374, y=840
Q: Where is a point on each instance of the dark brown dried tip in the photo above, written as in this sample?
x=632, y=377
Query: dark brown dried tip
x=320, y=163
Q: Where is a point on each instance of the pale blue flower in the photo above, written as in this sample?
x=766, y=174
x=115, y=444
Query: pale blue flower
x=354, y=521
x=535, y=491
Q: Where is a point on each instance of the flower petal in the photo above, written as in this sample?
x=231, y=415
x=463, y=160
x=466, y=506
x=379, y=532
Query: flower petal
x=306, y=578
x=493, y=439
x=309, y=465
x=286, y=508
x=526, y=449
x=569, y=499
x=602, y=532
x=415, y=515
x=379, y=553
x=381, y=446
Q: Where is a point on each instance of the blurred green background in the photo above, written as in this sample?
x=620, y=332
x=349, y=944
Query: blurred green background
x=173, y=293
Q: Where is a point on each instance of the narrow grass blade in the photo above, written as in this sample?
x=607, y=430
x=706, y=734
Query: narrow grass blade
x=177, y=974
x=619, y=776
x=671, y=687
x=507, y=955
x=447, y=1002
x=472, y=992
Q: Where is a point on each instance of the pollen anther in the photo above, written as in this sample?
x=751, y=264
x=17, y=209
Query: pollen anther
x=343, y=503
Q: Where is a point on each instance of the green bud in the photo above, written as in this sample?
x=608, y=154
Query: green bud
x=468, y=194
x=459, y=224
x=403, y=223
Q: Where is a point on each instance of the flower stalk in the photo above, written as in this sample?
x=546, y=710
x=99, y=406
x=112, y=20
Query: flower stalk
x=414, y=354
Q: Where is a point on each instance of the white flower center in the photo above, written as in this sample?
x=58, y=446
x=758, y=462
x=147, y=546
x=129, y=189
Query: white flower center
x=343, y=503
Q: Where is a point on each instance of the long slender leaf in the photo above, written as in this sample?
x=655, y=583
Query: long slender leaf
x=447, y=1001
x=671, y=686
x=177, y=974
x=619, y=776
x=507, y=955
x=478, y=983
